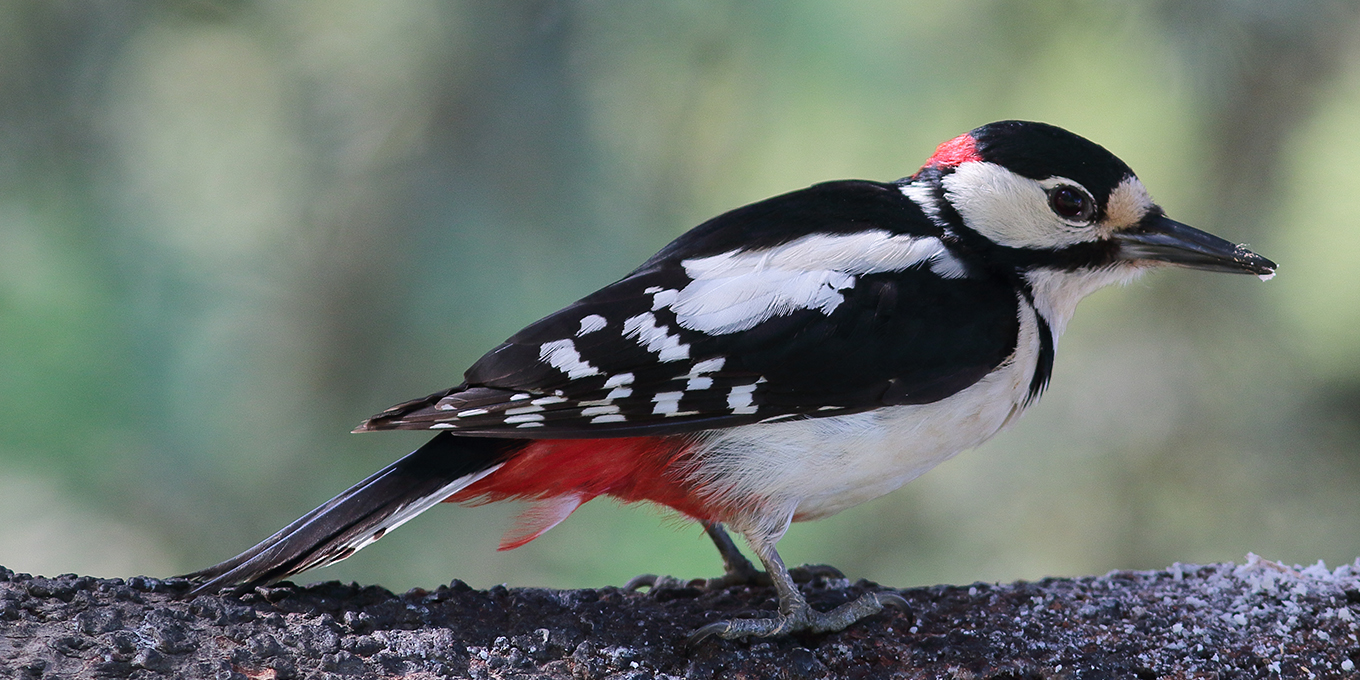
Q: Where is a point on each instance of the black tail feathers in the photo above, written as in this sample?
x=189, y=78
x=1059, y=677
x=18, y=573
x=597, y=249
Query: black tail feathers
x=363, y=513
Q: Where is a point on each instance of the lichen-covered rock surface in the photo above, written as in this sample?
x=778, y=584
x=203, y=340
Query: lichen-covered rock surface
x=1257, y=620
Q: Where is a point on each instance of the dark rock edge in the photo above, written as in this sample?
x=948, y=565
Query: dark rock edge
x=1256, y=620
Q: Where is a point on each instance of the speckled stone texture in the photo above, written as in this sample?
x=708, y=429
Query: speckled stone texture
x=1257, y=620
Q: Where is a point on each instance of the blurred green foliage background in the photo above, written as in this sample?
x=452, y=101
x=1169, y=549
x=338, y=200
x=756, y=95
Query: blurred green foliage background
x=229, y=231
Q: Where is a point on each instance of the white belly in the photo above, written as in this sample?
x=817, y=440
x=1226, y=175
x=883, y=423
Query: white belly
x=813, y=468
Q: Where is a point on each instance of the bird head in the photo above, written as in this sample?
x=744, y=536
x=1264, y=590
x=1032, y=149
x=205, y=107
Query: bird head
x=1065, y=201
x=1061, y=212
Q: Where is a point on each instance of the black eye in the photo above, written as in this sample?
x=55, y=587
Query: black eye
x=1071, y=204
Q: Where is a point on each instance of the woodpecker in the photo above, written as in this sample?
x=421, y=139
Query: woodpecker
x=781, y=362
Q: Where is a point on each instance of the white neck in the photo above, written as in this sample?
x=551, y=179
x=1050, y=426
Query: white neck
x=1057, y=292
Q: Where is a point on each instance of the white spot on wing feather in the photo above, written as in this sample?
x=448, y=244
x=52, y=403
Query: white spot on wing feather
x=590, y=324
x=667, y=402
x=694, y=384
x=620, y=379
x=707, y=366
x=614, y=394
x=562, y=355
x=739, y=399
x=656, y=339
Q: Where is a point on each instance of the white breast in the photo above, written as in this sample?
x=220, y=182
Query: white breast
x=813, y=468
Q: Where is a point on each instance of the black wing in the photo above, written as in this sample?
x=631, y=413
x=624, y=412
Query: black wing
x=836, y=299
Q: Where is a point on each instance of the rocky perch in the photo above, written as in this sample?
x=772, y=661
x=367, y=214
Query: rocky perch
x=1257, y=620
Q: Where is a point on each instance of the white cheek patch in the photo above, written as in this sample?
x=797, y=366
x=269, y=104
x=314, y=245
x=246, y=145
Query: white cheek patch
x=1009, y=209
x=737, y=290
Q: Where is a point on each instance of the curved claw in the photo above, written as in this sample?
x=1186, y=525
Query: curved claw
x=654, y=582
x=707, y=631
x=641, y=581
x=809, y=572
x=732, y=578
x=892, y=600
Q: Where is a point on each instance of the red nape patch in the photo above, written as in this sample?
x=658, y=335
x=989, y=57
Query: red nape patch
x=630, y=469
x=955, y=152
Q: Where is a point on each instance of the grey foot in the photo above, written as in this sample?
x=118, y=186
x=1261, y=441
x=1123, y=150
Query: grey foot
x=803, y=619
x=654, y=582
x=745, y=577
x=749, y=576
x=810, y=572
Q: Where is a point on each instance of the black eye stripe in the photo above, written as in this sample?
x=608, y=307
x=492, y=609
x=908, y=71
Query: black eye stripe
x=1071, y=203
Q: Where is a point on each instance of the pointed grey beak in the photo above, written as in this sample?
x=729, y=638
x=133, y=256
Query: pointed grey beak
x=1161, y=239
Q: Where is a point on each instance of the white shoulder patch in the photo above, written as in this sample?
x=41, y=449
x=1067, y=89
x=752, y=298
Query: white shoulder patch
x=737, y=303
x=736, y=290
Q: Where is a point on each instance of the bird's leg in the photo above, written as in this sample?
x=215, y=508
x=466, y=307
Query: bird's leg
x=737, y=570
x=740, y=572
x=795, y=614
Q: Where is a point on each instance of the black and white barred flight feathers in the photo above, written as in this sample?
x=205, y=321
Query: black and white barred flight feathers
x=783, y=361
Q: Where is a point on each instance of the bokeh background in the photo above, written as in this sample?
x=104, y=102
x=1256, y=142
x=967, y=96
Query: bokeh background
x=229, y=231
